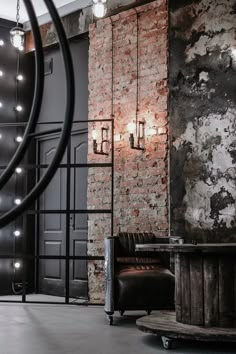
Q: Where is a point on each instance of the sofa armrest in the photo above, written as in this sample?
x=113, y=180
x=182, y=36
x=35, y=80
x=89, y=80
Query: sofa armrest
x=109, y=275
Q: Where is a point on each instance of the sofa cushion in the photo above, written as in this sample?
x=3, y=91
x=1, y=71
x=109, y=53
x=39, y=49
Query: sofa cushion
x=126, y=242
x=144, y=286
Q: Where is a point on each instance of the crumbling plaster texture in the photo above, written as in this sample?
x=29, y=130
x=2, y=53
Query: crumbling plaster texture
x=202, y=119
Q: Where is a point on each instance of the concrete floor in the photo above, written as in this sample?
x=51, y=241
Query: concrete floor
x=40, y=298
x=60, y=329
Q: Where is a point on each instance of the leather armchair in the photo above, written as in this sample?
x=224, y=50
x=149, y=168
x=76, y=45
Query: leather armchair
x=134, y=280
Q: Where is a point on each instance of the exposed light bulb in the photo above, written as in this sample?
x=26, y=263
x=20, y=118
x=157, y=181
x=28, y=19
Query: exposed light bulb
x=1, y=43
x=17, y=265
x=0, y=104
x=19, y=108
x=19, y=170
x=17, y=233
x=99, y=8
x=21, y=48
x=152, y=131
x=1, y=73
x=17, y=36
x=117, y=137
x=131, y=127
x=20, y=77
x=19, y=139
x=17, y=201
x=94, y=134
x=0, y=136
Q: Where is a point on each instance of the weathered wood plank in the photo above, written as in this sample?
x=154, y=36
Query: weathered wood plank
x=196, y=285
x=226, y=291
x=178, y=288
x=185, y=289
x=211, y=291
x=219, y=248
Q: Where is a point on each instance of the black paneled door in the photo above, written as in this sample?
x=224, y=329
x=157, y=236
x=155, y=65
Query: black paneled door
x=52, y=227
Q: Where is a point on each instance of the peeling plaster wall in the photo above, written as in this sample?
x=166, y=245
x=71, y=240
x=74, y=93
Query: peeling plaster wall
x=202, y=119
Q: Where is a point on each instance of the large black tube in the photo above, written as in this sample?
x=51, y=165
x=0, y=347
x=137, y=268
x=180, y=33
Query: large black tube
x=47, y=177
x=37, y=100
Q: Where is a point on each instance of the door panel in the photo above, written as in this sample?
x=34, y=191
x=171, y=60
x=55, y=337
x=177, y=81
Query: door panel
x=52, y=227
x=79, y=222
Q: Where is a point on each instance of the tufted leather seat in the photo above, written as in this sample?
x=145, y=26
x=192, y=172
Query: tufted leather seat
x=136, y=281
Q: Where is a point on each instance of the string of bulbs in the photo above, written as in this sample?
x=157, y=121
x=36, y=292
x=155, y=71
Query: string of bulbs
x=17, y=37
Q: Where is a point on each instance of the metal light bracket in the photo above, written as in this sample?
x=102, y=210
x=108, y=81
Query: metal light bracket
x=103, y=141
x=140, y=137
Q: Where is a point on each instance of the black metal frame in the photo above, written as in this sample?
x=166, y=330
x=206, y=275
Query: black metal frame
x=24, y=257
x=64, y=142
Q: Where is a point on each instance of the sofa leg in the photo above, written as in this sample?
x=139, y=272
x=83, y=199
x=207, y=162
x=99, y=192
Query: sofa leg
x=122, y=312
x=149, y=312
x=110, y=319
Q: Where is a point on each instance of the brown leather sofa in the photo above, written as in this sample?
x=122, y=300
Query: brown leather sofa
x=134, y=280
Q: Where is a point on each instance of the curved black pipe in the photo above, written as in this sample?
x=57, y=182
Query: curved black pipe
x=37, y=100
x=47, y=177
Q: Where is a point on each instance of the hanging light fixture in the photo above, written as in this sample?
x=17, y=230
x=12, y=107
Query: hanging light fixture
x=17, y=34
x=137, y=130
x=99, y=8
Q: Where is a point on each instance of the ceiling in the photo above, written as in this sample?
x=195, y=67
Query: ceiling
x=8, y=8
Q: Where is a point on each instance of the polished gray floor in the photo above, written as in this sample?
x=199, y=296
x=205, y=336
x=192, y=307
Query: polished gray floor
x=60, y=329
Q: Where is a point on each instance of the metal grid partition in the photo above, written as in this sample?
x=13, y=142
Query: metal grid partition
x=29, y=259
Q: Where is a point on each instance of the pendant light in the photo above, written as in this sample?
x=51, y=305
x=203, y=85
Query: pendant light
x=99, y=8
x=17, y=34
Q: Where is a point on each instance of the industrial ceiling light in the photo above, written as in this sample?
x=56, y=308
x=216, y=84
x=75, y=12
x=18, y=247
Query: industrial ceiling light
x=99, y=8
x=17, y=34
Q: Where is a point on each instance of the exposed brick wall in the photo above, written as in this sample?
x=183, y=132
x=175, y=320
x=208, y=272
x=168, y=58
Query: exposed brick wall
x=141, y=178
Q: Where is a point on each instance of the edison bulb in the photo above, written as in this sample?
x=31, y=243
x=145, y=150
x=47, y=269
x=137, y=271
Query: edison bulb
x=19, y=139
x=131, y=127
x=99, y=8
x=17, y=233
x=17, y=265
x=19, y=108
x=18, y=170
x=1, y=73
x=94, y=134
x=20, y=77
x=1, y=43
x=17, y=201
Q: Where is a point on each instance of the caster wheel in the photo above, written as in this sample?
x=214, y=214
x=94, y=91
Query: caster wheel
x=167, y=342
x=110, y=320
x=122, y=312
x=149, y=312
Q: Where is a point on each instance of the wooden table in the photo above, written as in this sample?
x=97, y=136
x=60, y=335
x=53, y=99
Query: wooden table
x=205, y=295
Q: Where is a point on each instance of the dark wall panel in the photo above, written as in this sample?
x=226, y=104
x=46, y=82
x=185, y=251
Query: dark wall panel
x=10, y=96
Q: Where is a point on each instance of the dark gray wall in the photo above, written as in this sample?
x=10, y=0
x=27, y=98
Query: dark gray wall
x=54, y=98
x=202, y=118
x=16, y=186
